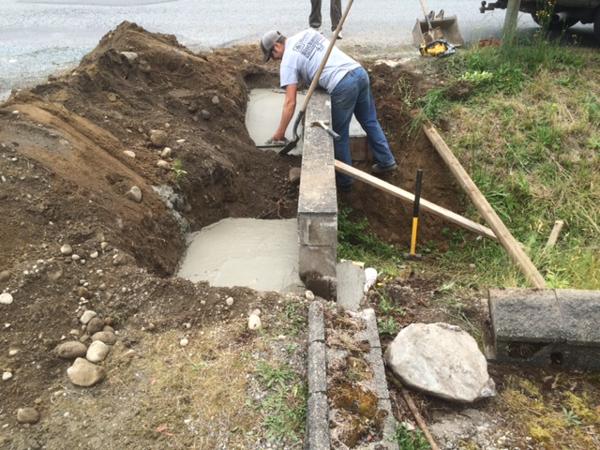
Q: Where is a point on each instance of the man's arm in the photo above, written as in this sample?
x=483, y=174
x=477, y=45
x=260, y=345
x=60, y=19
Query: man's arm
x=289, y=107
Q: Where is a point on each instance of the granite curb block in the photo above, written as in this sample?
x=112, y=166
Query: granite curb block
x=375, y=359
x=317, y=415
x=316, y=323
x=546, y=327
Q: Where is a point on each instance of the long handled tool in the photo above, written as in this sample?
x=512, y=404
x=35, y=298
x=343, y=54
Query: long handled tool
x=415, y=220
x=313, y=85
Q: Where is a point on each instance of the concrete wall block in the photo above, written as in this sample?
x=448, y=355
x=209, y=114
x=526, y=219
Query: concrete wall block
x=321, y=260
x=317, y=229
x=317, y=368
x=380, y=385
x=351, y=282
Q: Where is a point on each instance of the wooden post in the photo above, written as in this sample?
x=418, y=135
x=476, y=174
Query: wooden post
x=485, y=209
x=408, y=197
x=558, y=225
x=510, y=21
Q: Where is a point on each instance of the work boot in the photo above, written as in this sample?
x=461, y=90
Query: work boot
x=378, y=170
x=339, y=36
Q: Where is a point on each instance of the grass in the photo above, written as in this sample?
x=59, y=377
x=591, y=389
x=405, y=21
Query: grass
x=357, y=243
x=410, y=440
x=284, y=407
x=527, y=132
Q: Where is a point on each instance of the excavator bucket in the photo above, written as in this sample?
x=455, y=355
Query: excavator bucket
x=441, y=28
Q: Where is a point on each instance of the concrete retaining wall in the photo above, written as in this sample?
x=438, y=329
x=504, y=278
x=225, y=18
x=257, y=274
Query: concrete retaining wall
x=317, y=203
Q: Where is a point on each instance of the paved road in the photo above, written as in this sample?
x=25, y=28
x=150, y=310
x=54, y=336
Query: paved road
x=39, y=37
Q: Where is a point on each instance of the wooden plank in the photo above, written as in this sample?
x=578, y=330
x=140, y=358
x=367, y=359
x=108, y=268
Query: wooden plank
x=485, y=209
x=408, y=197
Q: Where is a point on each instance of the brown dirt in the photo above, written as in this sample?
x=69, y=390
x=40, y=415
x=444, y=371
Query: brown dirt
x=64, y=177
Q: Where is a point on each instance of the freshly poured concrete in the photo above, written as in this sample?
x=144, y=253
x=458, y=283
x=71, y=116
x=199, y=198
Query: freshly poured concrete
x=259, y=254
x=264, y=113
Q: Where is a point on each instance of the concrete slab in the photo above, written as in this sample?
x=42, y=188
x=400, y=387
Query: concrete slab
x=526, y=315
x=259, y=254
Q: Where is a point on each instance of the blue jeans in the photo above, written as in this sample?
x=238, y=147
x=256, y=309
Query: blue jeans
x=353, y=95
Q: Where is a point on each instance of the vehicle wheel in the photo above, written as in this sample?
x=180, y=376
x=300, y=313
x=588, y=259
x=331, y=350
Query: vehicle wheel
x=556, y=24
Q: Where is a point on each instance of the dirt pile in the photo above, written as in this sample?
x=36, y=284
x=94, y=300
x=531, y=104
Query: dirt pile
x=76, y=129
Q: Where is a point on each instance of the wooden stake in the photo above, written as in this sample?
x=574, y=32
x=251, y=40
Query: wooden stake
x=558, y=225
x=408, y=197
x=485, y=209
x=415, y=412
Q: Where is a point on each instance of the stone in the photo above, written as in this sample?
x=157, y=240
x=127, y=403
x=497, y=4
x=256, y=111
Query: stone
x=525, y=315
x=580, y=313
x=316, y=323
x=82, y=291
x=131, y=56
x=108, y=337
x=84, y=373
x=13, y=352
x=129, y=153
x=6, y=298
x=97, y=351
x=441, y=360
x=71, y=350
x=166, y=153
x=135, y=194
x=254, y=322
x=112, y=97
x=6, y=375
x=317, y=376
x=95, y=325
x=184, y=342
x=229, y=301
x=4, y=276
x=28, y=415
x=205, y=114
x=163, y=164
x=87, y=316
x=93, y=255
x=158, y=138
x=66, y=249
x=75, y=257
x=215, y=100
x=350, y=285
x=317, y=422
x=294, y=175
x=309, y=296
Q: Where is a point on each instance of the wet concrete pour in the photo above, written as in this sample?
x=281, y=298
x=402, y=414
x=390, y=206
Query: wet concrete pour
x=259, y=254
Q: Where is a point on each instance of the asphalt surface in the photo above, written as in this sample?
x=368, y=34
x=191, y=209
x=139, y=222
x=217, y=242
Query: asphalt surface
x=38, y=38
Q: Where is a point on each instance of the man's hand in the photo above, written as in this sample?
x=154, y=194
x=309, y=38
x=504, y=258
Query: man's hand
x=289, y=106
x=276, y=139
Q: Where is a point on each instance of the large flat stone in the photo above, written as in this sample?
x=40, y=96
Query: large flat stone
x=580, y=311
x=526, y=315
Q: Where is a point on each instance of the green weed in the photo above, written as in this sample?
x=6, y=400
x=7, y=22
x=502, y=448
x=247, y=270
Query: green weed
x=411, y=440
x=284, y=407
x=388, y=326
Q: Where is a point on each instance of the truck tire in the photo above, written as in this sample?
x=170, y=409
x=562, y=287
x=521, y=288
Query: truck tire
x=556, y=24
